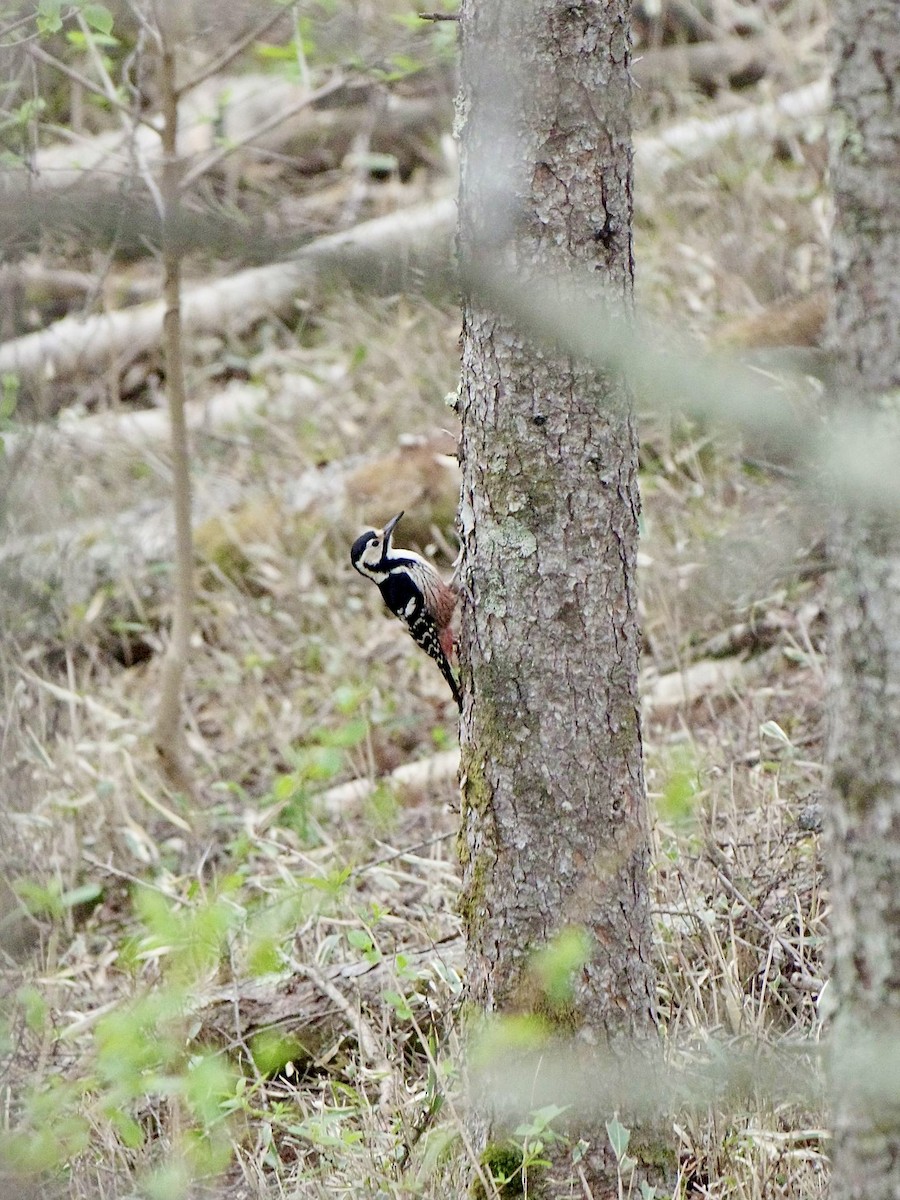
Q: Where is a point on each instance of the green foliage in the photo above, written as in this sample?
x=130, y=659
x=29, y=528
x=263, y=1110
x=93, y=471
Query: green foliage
x=49, y=16
x=512, y=1164
x=506, y=1036
x=49, y=1130
x=51, y=900
x=619, y=1137
x=9, y=398
x=188, y=939
x=273, y=1050
x=34, y=1007
x=677, y=803
x=321, y=760
x=141, y=1051
x=556, y=964
x=98, y=17
x=502, y=1162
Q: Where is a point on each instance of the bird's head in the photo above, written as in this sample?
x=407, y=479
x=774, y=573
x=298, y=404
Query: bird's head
x=370, y=553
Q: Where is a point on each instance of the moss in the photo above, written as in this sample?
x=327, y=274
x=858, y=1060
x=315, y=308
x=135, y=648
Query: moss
x=502, y=1161
x=655, y=1155
x=274, y=1053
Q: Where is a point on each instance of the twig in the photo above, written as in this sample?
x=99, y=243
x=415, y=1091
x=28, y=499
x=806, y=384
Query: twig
x=88, y=84
x=230, y=54
x=127, y=117
x=439, y=16
x=807, y=981
x=168, y=734
x=213, y=159
x=365, y=1035
x=27, y=19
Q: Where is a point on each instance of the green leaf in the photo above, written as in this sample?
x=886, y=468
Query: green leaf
x=619, y=1137
x=681, y=790
x=539, y=1124
x=127, y=1128
x=98, y=17
x=399, y=1004
x=9, y=395
x=49, y=19
x=359, y=939
x=208, y=1082
x=35, y=1007
x=349, y=734
x=264, y=957
x=81, y=895
x=772, y=730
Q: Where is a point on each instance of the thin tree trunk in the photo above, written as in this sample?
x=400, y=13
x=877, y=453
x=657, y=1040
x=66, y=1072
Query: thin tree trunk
x=864, y=814
x=554, y=826
x=168, y=734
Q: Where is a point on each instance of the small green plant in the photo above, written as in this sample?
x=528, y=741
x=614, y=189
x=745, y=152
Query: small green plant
x=141, y=1053
x=318, y=762
x=681, y=791
x=619, y=1138
x=513, y=1164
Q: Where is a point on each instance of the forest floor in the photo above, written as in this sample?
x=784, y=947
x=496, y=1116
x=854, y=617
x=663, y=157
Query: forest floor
x=254, y=991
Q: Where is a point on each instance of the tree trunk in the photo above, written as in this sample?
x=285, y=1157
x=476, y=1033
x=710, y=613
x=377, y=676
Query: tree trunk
x=168, y=734
x=554, y=825
x=864, y=814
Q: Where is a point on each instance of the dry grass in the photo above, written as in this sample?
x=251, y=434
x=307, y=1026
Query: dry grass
x=298, y=682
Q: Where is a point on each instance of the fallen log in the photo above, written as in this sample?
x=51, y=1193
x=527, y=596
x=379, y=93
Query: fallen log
x=657, y=154
x=82, y=583
x=244, y=114
x=388, y=253
x=709, y=66
x=309, y=1017
x=80, y=439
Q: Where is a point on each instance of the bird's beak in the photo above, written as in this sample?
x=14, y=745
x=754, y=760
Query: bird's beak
x=391, y=526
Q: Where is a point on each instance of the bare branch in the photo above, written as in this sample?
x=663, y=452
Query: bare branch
x=212, y=160
x=231, y=53
x=49, y=60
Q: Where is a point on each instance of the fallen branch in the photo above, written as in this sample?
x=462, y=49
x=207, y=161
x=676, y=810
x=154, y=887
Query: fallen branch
x=422, y=776
x=700, y=681
x=711, y=65
x=657, y=154
x=386, y=254
x=81, y=582
x=309, y=1012
x=265, y=112
x=99, y=434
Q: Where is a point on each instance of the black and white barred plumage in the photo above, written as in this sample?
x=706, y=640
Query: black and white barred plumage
x=413, y=591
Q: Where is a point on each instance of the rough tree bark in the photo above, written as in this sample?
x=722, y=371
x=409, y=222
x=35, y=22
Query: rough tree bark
x=554, y=829
x=864, y=814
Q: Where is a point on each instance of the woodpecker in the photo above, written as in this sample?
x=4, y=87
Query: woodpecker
x=413, y=591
